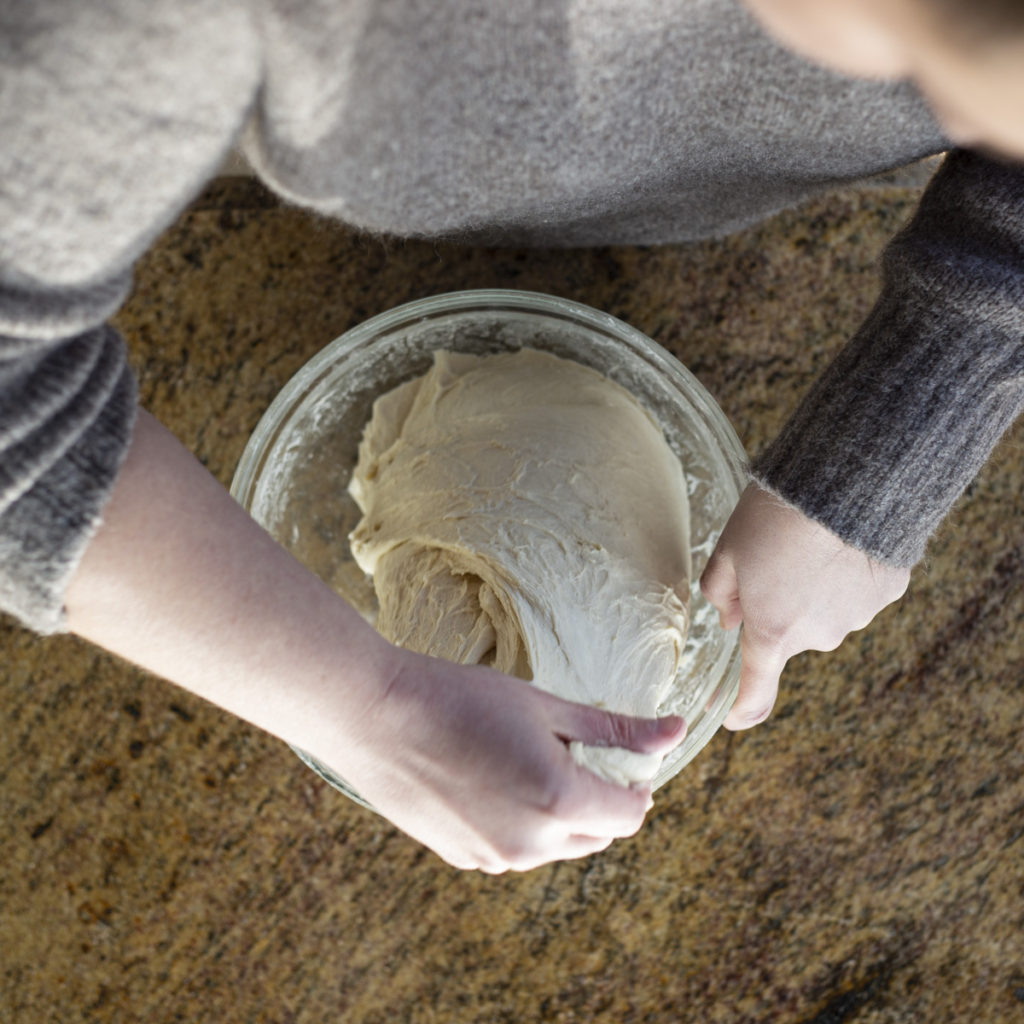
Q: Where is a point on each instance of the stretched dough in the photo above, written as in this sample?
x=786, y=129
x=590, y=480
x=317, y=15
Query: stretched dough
x=523, y=511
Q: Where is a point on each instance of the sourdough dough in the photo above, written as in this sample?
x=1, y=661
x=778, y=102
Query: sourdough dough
x=523, y=511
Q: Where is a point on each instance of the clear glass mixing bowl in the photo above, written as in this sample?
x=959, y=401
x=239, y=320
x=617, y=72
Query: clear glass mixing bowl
x=305, y=448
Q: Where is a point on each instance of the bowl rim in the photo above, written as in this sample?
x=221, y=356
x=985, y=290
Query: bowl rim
x=288, y=401
x=430, y=307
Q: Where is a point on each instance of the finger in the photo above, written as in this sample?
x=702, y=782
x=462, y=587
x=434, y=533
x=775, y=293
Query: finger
x=719, y=585
x=761, y=666
x=731, y=615
x=583, y=846
x=571, y=848
x=599, y=728
x=500, y=869
x=592, y=806
x=459, y=859
x=460, y=863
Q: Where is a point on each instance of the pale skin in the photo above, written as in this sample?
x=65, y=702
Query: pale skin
x=792, y=584
x=475, y=765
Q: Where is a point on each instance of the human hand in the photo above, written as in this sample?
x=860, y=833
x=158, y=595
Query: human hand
x=180, y=580
x=795, y=586
x=476, y=766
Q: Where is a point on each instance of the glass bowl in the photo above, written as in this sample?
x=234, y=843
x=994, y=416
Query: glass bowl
x=306, y=446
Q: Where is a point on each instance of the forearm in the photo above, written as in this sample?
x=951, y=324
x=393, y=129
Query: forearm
x=887, y=438
x=899, y=424
x=181, y=581
x=476, y=765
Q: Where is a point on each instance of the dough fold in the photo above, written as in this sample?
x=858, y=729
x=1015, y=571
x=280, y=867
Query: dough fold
x=522, y=511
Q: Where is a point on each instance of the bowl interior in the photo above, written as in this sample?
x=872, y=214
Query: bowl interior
x=294, y=474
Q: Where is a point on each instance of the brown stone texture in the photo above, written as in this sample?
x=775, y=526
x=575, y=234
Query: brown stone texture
x=858, y=858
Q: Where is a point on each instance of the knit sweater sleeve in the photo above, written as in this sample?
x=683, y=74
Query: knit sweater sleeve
x=899, y=424
x=112, y=114
x=66, y=410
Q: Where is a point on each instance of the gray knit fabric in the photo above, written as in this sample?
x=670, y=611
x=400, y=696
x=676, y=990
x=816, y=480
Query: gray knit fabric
x=901, y=421
x=559, y=122
x=555, y=122
x=112, y=115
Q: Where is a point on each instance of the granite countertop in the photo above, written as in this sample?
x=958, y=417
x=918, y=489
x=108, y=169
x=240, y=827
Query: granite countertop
x=856, y=858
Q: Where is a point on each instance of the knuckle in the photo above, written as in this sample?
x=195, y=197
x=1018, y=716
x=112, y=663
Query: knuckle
x=529, y=861
x=772, y=636
x=714, y=578
x=618, y=731
x=631, y=825
x=563, y=800
x=506, y=852
x=759, y=714
x=554, y=800
x=493, y=868
x=833, y=639
x=745, y=718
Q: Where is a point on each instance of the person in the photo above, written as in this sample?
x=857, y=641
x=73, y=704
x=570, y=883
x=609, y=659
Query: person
x=528, y=122
x=795, y=566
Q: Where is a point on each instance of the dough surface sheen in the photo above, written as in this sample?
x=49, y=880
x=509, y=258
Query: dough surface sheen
x=523, y=511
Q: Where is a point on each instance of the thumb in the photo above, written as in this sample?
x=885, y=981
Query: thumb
x=596, y=727
x=760, y=668
x=718, y=583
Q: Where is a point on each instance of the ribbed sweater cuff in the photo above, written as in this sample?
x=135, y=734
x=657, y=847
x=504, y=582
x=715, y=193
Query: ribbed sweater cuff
x=900, y=423
x=44, y=533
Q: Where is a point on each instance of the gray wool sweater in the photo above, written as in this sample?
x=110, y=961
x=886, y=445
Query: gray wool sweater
x=548, y=122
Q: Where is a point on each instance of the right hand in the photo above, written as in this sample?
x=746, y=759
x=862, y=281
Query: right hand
x=476, y=766
x=794, y=586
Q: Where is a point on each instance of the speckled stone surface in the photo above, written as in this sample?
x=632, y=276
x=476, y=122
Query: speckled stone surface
x=856, y=859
